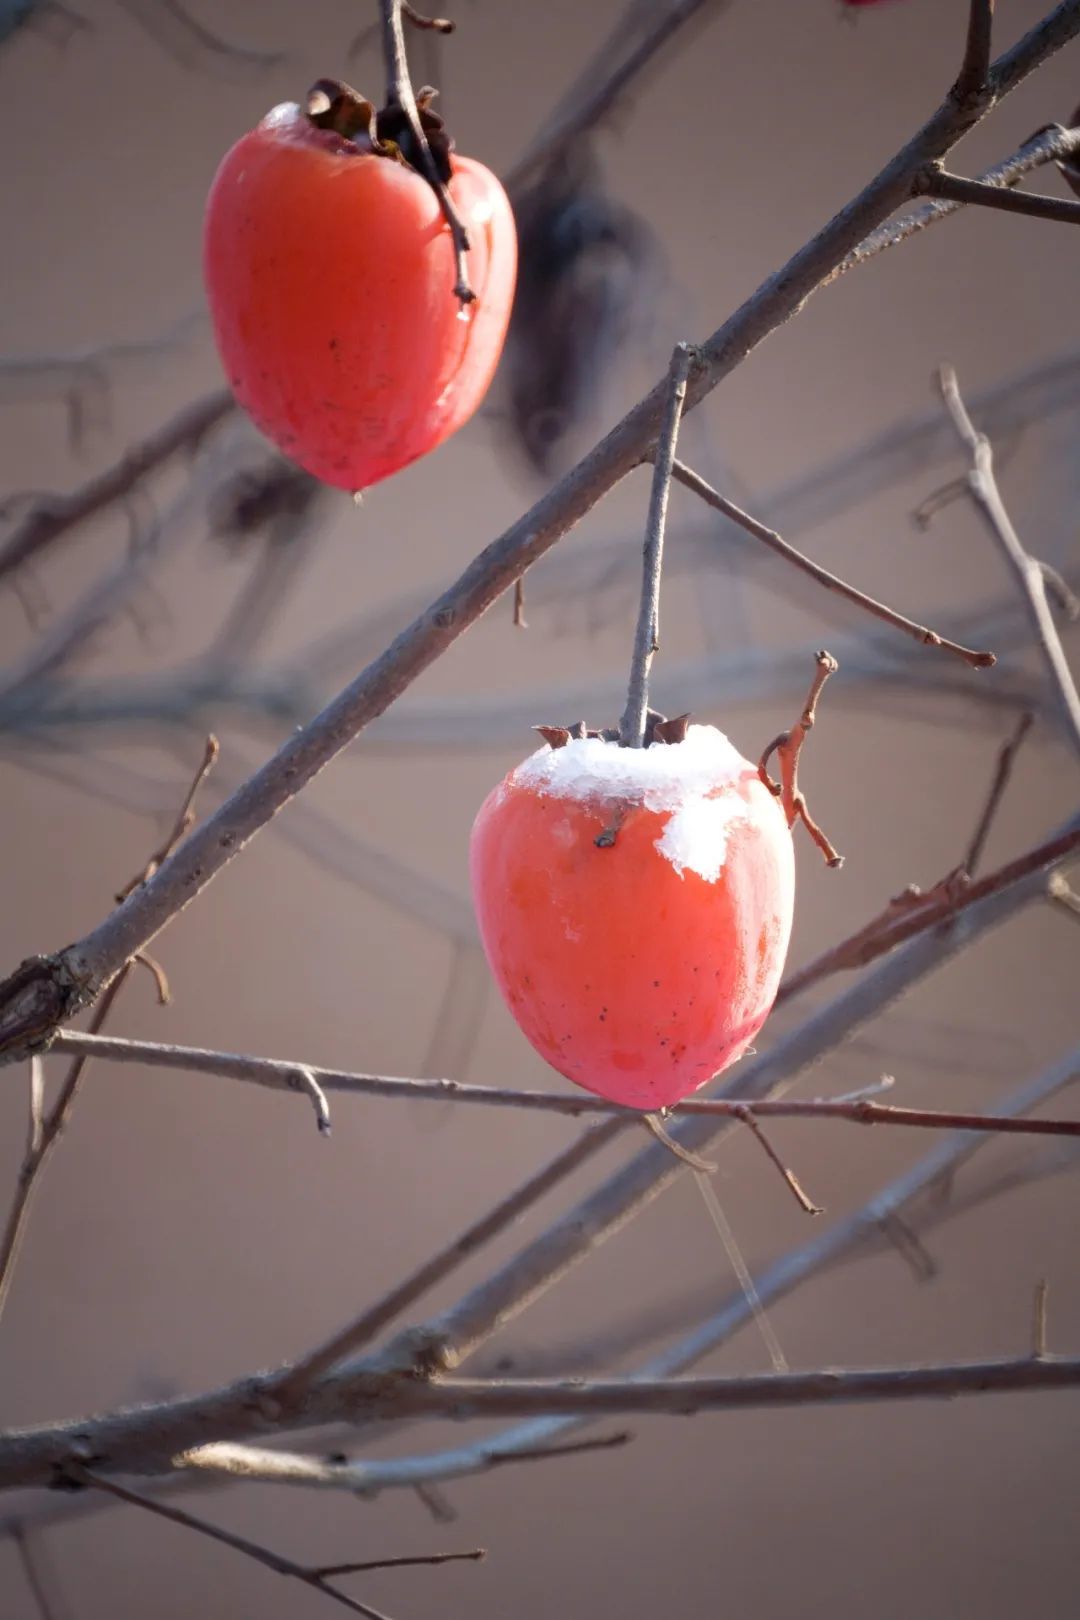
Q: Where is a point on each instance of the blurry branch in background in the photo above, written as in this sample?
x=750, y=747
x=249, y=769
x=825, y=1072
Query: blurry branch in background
x=51, y=517
x=311, y=1575
x=83, y=378
x=1028, y=573
x=171, y=26
x=46, y=1127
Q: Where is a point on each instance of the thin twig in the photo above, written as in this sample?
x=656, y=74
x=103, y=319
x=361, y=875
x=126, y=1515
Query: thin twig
x=1028, y=573
x=277, y=1074
x=58, y=515
x=475, y=1555
x=1002, y=772
x=251, y=1549
x=1048, y=146
x=1038, y=1324
x=647, y=633
x=972, y=80
x=918, y=632
x=399, y=93
x=747, y=1112
x=787, y=748
x=958, y=189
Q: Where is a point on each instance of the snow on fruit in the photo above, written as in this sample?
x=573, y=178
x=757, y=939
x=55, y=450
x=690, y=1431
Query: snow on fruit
x=635, y=905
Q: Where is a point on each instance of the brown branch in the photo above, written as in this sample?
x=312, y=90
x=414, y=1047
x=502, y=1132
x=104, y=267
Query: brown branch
x=646, y=635
x=251, y=1549
x=832, y=582
x=1027, y=571
x=787, y=747
x=1051, y=145
x=913, y=912
x=956, y=188
x=1002, y=772
x=399, y=93
x=277, y=1074
x=58, y=515
x=973, y=78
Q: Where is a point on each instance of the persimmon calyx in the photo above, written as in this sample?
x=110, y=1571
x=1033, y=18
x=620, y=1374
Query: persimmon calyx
x=658, y=729
x=332, y=104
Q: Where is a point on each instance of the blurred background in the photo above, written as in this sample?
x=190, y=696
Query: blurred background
x=189, y=1230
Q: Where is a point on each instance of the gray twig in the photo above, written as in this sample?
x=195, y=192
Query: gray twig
x=1027, y=571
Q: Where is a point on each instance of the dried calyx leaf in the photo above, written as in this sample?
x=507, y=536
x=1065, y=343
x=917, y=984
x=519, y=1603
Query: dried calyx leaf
x=331, y=104
x=582, y=287
x=658, y=729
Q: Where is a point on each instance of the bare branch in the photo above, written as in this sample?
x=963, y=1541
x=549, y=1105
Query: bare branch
x=251, y=1549
x=1048, y=146
x=278, y=1074
x=956, y=188
x=58, y=515
x=831, y=582
x=1002, y=772
x=646, y=636
x=399, y=93
x=1028, y=573
x=974, y=75
x=913, y=912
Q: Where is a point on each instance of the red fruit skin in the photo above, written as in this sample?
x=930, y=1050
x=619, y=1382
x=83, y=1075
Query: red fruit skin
x=634, y=980
x=330, y=274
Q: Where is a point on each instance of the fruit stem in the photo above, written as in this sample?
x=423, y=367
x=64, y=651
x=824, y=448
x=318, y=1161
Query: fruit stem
x=646, y=642
x=399, y=93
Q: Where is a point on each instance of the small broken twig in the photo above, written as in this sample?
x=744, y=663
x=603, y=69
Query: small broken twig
x=787, y=748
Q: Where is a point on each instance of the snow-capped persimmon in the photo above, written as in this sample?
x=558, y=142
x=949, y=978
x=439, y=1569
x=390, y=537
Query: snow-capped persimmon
x=330, y=273
x=635, y=906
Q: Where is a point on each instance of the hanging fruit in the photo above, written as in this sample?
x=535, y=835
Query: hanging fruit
x=635, y=905
x=332, y=279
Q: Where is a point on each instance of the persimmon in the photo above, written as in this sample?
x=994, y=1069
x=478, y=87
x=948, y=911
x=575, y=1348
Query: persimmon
x=635, y=905
x=330, y=273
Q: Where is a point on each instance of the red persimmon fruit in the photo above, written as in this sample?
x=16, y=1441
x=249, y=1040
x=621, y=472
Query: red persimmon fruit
x=635, y=906
x=330, y=275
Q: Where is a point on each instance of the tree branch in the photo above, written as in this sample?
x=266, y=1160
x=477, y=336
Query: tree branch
x=1027, y=571
x=646, y=636
x=913, y=912
x=57, y=515
x=832, y=582
x=278, y=1075
x=956, y=188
